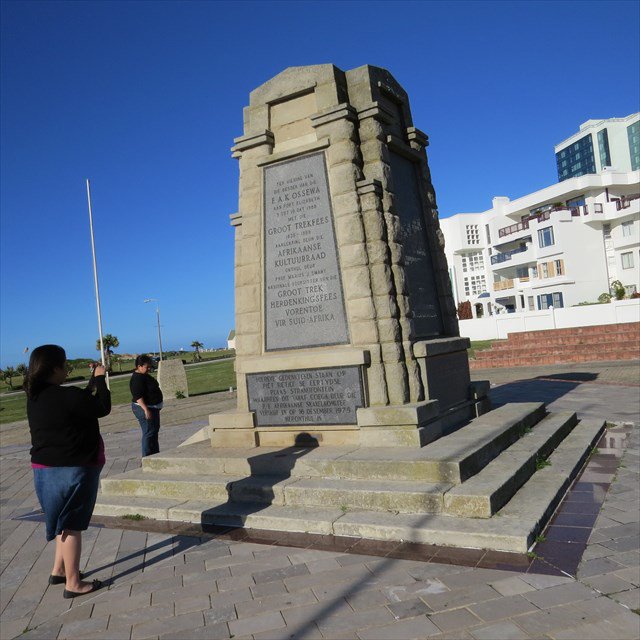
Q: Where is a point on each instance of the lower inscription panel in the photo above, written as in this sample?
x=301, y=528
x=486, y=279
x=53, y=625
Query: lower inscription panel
x=305, y=396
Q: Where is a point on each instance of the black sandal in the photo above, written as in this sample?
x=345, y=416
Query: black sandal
x=95, y=585
x=61, y=579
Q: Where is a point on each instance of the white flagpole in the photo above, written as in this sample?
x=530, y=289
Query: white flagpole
x=95, y=279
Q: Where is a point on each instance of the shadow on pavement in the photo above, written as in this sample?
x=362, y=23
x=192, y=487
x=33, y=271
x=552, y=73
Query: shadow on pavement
x=534, y=390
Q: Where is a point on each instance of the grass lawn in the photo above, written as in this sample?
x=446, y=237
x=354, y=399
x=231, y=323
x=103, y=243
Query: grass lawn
x=478, y=345
x=208, y=378
x=81, y=366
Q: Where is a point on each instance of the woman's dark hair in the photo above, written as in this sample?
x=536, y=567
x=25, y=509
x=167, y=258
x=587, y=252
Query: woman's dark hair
x=144, y=359
x=43, y=361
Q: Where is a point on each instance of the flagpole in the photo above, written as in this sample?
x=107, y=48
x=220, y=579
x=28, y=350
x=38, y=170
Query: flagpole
x=95, y=279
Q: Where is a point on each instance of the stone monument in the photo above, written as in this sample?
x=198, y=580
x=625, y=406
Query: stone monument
x=346, y=330
x=172, y=378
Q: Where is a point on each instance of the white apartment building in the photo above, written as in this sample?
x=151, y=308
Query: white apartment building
x=612, y=143
x=559, y=246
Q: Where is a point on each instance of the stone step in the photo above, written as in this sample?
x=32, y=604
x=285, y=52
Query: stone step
x=516, y=351
x=231, y=514
x=606, y=337
x=450, y=459
x=489, y=490
x=374, y=495
x=513, y=528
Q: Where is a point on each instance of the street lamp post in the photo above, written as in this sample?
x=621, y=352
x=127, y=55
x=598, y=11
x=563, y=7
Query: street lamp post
x=158, y=318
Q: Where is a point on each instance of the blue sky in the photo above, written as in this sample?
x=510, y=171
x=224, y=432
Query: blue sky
x=145, y=98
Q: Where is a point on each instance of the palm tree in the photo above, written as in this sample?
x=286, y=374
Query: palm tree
x=8, y=373
x=110, y=342
x=197, y=346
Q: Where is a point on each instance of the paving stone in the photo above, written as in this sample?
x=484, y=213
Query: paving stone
x=120, y=603
x=326, y=564
x=171, y=625
x=511, y=586
x=231, y=597
x=505, y=630
x=560, y=594
x=126, y=619
x=541, y=581
x=451, y=620
x=315, y=612
x=408, y=609
x=256, y=624
x=460, y=597
x=83, y=628
x=361, y=599
x=622, y=544
x=607, y=583
x=268, y=589
x=214, y=632
x=630, y=598
x=352, y=621
x=194, y=603
x=630, y=574
x=409, y=629
x=601, y=630
x=234, y=582
x=280, y=574
x=502, y=608
x=219, y=614
x=542, y=622
x=308, y=632
x=398, y=593
x=277, y=602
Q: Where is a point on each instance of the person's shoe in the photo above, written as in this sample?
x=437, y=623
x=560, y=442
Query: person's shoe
x=61, y=579
x=95, y=585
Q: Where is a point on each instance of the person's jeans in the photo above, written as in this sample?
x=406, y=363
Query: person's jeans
x=150, y=429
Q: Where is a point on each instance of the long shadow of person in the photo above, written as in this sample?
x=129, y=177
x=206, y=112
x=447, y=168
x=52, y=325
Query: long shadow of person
x=264, y=486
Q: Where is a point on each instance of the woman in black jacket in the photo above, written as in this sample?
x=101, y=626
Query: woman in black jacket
x=146, y=402
x=67, y=455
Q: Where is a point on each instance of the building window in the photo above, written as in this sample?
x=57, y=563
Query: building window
x=474, y=285
x=627, y=229
x=473, y=235
x=532, y=306
x=545, y=237
x=576, y=159
x=547, y=300
x=544, y=270
x=633, y=133
x=534, y=272
x=603, y=148
x=559, y=264
x=472, y=262
x=488, y=232
x=627, y=260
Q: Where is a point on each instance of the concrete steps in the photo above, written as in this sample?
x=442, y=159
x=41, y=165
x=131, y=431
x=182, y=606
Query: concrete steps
x=556, y=346
x=481, y=486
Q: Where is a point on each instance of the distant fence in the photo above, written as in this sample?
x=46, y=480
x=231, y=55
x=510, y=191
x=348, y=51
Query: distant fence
x=499, y=326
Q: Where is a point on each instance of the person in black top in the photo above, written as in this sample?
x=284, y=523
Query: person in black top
x=67, y=455
x=146, y=402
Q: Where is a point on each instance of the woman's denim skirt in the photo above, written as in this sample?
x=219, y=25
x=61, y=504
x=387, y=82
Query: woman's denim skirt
x=67, y=496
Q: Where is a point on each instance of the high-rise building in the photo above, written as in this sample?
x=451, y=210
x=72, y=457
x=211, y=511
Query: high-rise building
x=560, y=246
x=600, y=144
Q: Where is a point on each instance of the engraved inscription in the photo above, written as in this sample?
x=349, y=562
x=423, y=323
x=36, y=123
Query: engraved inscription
x=305, y=397
x=427, y=317
x=304, y=304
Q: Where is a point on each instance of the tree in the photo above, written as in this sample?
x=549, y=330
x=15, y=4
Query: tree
x=197, y=346
x=110, y=342
x=618, y=290
x=21, y=370
x=8, y=373
x=118, y=360
x=464, y=311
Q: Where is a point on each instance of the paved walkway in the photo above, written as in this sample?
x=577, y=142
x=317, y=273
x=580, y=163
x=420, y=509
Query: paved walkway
x=165, y=585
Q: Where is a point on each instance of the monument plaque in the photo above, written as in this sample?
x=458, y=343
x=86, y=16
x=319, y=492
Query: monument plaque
x=326, y=396
x=304, y=304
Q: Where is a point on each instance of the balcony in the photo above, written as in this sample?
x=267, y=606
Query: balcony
x=509, y=283
x=625, y=201
x=514, y=228
x=507, y=255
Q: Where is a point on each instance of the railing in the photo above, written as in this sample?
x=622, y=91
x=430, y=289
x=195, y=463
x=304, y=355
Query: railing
x=502, y=285
x=502, y=257
x=514, y=228
x=625, y=201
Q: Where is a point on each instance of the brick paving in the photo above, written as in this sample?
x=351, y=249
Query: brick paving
x=170, y=585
